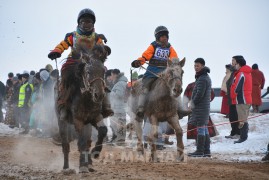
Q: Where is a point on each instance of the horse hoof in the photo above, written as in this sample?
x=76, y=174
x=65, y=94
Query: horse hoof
x=83, y=169
x=68, y=171
x=180, y=159
x=90, y=168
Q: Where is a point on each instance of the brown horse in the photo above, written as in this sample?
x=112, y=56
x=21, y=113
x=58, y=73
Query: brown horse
x=86, y=92
x=161, y=105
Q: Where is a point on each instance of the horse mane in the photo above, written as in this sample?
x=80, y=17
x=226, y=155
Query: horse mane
x=98, y=52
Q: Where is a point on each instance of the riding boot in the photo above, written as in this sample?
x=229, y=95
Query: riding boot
x=106, y=107
x=243, y=134
x=141, y=104
x=200, y=147
x=207, y=152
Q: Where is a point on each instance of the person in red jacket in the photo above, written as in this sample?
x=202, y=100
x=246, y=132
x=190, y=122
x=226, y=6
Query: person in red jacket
x=86, y=36
x=258, y=81
x=241, y=91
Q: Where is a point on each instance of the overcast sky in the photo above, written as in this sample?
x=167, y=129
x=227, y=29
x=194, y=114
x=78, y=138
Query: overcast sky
x=213, y=29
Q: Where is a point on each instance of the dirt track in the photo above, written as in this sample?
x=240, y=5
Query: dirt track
x=35, y=158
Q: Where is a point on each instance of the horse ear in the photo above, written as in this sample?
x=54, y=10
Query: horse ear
x=182, y=62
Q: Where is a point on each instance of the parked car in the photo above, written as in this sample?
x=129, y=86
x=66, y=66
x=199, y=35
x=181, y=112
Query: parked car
x=215, y=105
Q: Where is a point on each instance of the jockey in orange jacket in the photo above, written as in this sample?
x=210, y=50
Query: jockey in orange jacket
x=158, y=53
x=84, y=35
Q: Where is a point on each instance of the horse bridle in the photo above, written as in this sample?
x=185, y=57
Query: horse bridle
x=87, y=85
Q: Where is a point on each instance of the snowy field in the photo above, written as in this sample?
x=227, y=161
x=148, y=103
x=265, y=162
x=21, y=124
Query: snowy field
x=224, y=149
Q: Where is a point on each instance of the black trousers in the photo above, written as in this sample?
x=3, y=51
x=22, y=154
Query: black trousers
x=1, y=112
x=24, y=117
x=232, y=118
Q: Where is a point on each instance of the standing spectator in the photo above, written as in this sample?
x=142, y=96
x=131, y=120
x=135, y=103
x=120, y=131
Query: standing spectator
x=191, y=129
x=2, y=95
x=233, y=117
x=47, y=100
x=223, y=92
x=49, y=68
x=26, y=90
x=9, y=118
x=266, y=157
x=241, y=91
x=32, y=73
x=35, y=101
x=118, y=121
x=200, y=105
x=108, y=79
x=258, y=82
x=15, y=99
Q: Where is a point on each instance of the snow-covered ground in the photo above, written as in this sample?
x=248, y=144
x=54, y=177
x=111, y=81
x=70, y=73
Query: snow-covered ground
x=222, y=149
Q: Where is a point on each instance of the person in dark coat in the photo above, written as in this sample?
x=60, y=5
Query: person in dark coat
x=258, y=82
x=200, y=105
x=191, y=129
x=2, y=95
x=233, y=117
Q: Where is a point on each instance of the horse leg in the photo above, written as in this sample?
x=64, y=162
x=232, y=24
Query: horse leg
x=84, y=134
x=102, y=133
x=89, y=142
x=138, y=127
x=179, y=134
x=153, y=137
x=63, y=128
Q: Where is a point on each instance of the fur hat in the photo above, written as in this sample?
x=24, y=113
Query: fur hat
x=44, y=75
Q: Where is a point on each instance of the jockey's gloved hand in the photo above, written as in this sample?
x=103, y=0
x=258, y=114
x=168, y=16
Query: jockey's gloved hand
x=136, y=63
x=54, y=54
x=102, y=37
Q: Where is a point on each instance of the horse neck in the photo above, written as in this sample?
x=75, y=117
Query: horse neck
x=160, y=87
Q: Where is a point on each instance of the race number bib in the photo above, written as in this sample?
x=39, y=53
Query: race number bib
x=161, y=53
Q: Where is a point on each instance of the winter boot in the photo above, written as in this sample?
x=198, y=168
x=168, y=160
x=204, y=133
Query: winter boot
x=266, y=157
x=207, y=152
x=141, y=104
x=200, y=147
x=166, y=141
x=106, y=107
x=160, y=147
x=243, y=134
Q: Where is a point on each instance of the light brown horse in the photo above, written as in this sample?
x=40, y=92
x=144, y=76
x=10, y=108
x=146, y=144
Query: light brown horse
x=161, y=105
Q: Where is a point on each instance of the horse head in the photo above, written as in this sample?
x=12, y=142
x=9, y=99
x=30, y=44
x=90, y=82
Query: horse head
x=173, y=76
x=91, y=71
